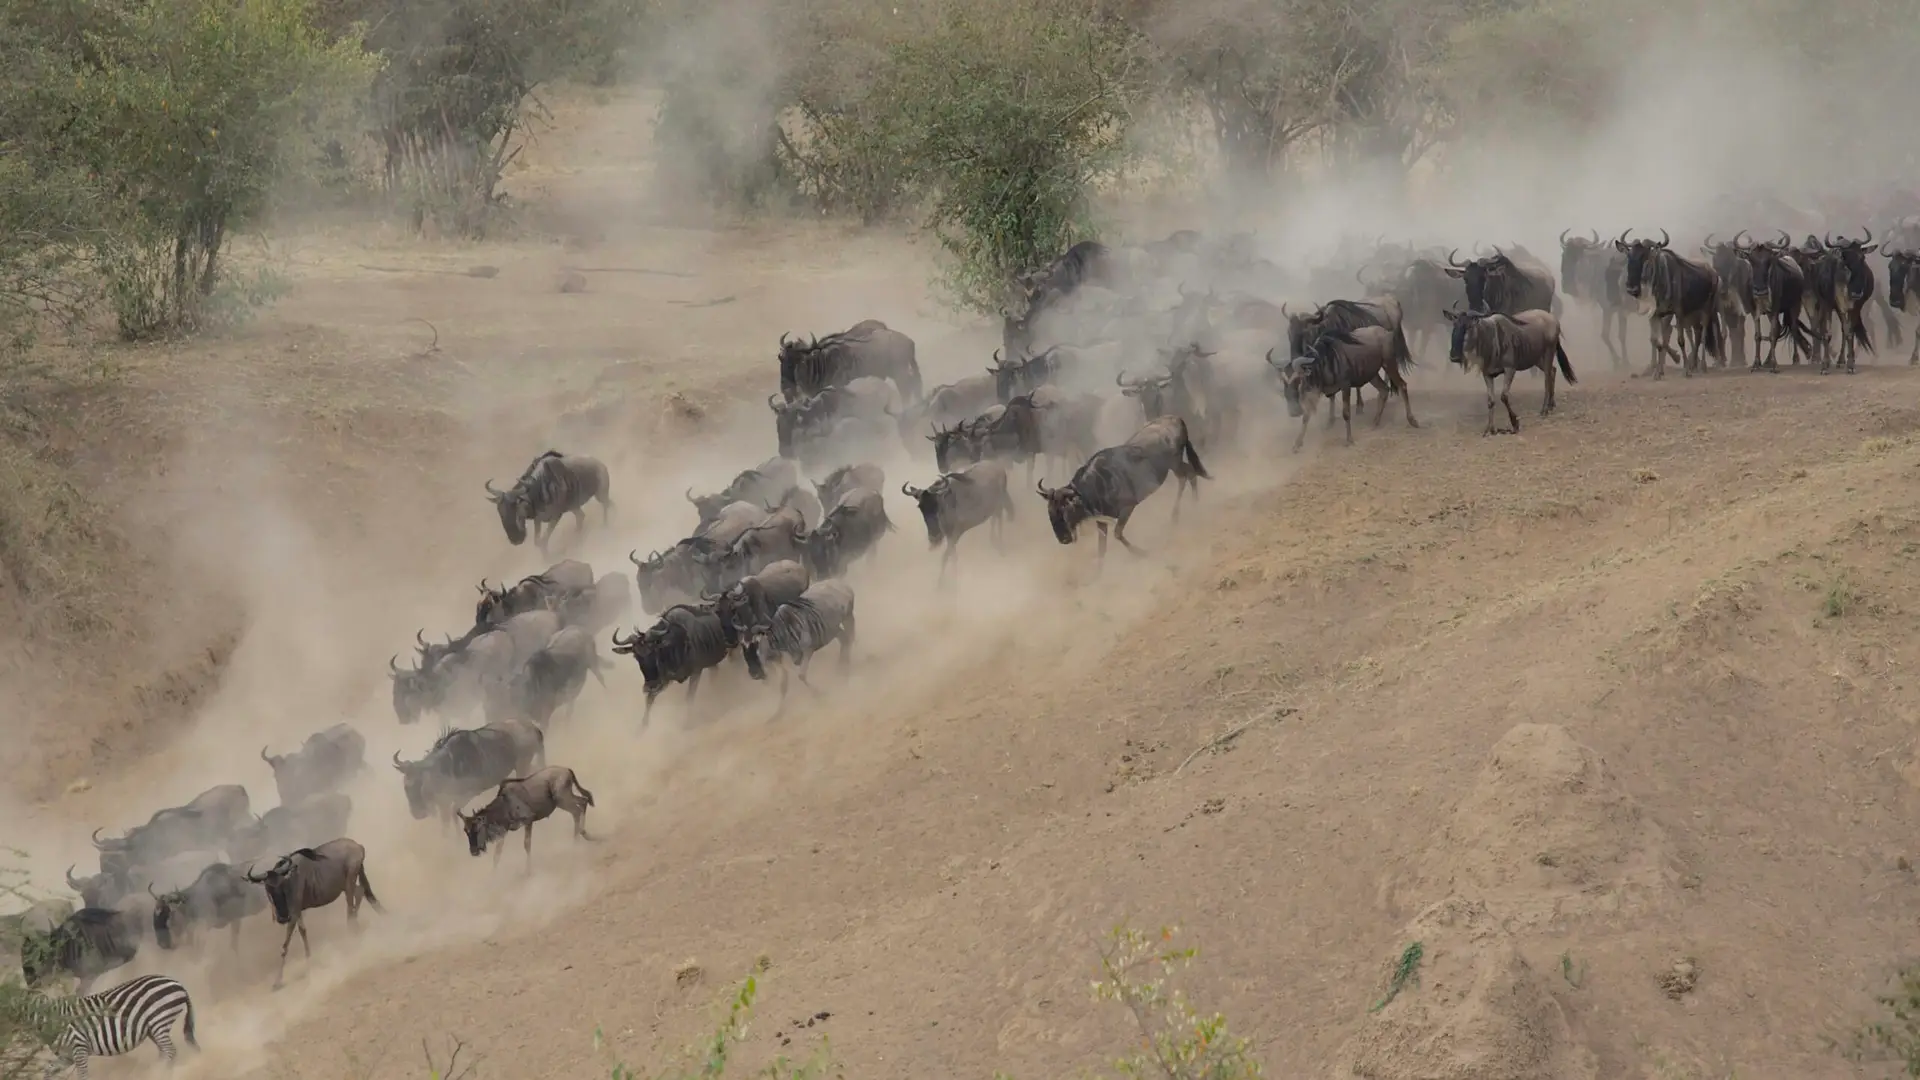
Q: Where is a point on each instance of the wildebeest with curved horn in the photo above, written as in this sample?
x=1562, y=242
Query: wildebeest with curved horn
x=866, y=348
x=554, y=485
x=844, y=479
x=1682, y=292
x=326, y=760
x=683, y=645
x=519, y=803
x=1903, y=290
x=90, y=943
x=554, y=675
x=1340, y=362
x=1501, y=346
x=221, y=896
x=1736, y=293
x=798, y=630
x=1115, y=481
x=960, y=500
x=534, y=592
x=1852, y=285
x=753, y=599
x=766, y=484
x=948, y=403
x=852, y=528
x=311, y=878
x=1778, y=284
x=1590, y=270
x=464, y=762
x=1500, y=282
x=292, y=825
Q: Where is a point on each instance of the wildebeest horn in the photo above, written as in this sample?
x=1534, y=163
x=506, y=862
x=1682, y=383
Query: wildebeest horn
x=773, y=403
x=690, y=497
x=1453, y=259
x=1563, y=236
x=1623, y=235
x=264, y=757
x=1736, y=240
x=996, y=361
x=1786, y=239
x=1270, y=359
x=72, y=884
x=420, y=639
x=397, y=763
x=248, y=874
x=96, y=839
x=494, y=493
x=1869, y=233
x=1707, y=244
x=1476, y=250
x=1283, y=308
x=1664, y=238
x=909, y=490
x=393, y=664
x=150, y=891
x=633, y=556
x=1041, y=487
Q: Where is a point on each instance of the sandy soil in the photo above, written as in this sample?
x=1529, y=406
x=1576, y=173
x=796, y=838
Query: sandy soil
x=1568, y=708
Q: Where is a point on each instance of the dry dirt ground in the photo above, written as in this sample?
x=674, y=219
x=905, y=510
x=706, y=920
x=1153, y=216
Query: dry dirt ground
x=1612, y=717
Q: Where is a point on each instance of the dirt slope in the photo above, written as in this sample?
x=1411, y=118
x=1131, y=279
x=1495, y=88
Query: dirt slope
x=1566, y=707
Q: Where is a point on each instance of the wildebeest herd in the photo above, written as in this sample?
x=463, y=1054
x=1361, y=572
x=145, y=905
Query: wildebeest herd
x=1118, y=367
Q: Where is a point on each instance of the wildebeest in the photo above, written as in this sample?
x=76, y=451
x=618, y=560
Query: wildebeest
x=112, y=888
x=780, y=536
x=1303, y=329
x=958, y=501
x=683, y=645
x=948, y=403
x=1425, y=291
x=220, y=897
x=1499, y=282
x=835, y=414
x=754, y=599
x=554, y=484
x=866, y=348
x=1903, y=290
x=677, y=574
x=204, y=823
x=310, y=878
x=1851, y=284
x=555, y=674
x=851, y=529
x=766, y=484
x=480, y=673
x=1012, y=432
x=1736, y=293
x=1679, y=292
x=1115, y=481
x=38, y=919
x=1501, y=346
x=535, y=592
x=1339, y=363
x=1014, y=377
x=1778, y=284
x=90, y=943
x=953, y=446
x=292, y=825
x=1591, y=271
x=464, y=762
x=845, y=479
x=1088, y=262
x=821, y=616
x=325, y=761
x=1179, y=392
x=519, y=803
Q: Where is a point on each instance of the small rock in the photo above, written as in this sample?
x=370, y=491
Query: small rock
x=687, y=974
x=573, y=281
x=1680, y=979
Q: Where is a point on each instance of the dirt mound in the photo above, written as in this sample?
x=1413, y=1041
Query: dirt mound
x=1473, y=1010
x=1546, y=836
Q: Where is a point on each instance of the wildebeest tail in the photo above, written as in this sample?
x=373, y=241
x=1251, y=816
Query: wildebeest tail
x=1402, y=352
x=1193, y=456
x=1714, y=341
x=366, y=888
x=581, y=790
x=1857, y=327
x=1566, y=366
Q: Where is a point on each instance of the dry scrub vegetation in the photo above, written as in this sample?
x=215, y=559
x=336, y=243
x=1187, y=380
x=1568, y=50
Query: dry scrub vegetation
x=1589, y=753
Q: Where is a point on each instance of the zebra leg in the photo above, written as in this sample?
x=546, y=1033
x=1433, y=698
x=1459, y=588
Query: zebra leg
x=165, y=1042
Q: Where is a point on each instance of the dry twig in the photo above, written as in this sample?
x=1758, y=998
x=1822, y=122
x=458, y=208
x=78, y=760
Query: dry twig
x=1217, y=743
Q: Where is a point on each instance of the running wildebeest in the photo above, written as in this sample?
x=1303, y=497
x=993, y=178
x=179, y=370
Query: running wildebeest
x=866, y=348
x=754, y=599
x=1088, y=262
x=220, y=897
x=683, y=645
x=1339, y=362
x=834, y=414
x=1903, y=290
x=958, y=501
x=555, y=675
x=323, y=763
x=90, y=943
x=1591, y=271
x=1012, y=433
x=1501, y=346
x=1336, y=315
x=1425, y=291
x=845, y=479
x=1779, y=288
x=519, y=803
x=1499, y=282
x=948, y=403
x=1115, y=481
x=111, y=889
x=798, y=630
x=554, y=485
x=1680, y=292
x=781, y=536
x=467, y=761
x=203, y=824
x=954, y=446
x=535, y=592
x=676, y=575
x=285, y=827
x=312, y=878
x=852, y=528
x=766, y=484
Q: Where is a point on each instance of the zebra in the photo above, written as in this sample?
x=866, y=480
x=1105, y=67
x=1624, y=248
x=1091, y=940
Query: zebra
x=113, y=1022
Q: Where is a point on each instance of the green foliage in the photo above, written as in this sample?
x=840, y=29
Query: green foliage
x=1405, y=970
x=186, y=114
x=1179, y=1043
x=1019, y=110
x=711, y=1059
x=1896, y=1037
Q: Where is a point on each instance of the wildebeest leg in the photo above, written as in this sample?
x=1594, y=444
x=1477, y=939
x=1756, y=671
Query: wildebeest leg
x=1120, y=533
x=235, y=938
x=846, y=645
x=1306, y=414
x=499, y=850
x=529, y=846
x=648, y=711
x=1546, y=403
x=1346, y=413
x=800, y=671
x=579, y=521
x=1380, y=405
x=1492, y=400
x=279, y=977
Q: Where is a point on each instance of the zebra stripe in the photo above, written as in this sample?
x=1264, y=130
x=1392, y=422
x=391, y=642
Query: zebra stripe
x=114, y=1021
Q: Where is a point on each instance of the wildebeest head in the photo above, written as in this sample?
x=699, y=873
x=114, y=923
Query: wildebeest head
x=791, y=353
x=281, y=879
x=1638, y=252
x=787, y=416
x=644, y=647
x=481, y=827
x=415, y=690
x=96, y=890
x=515, y=506
x=413, y=780
x=1150, y=392
x=1484, y=276
x=1900, y=277
x=1853, y=256
x=1066, y=510
x=167, y=912
x=950, y=446
x=928, y=500
x=709, y=506
x=1573, y=250
x=1465, y=323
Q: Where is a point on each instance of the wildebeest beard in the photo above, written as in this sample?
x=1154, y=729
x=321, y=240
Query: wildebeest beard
x=513, y=516
x=1066, y=512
